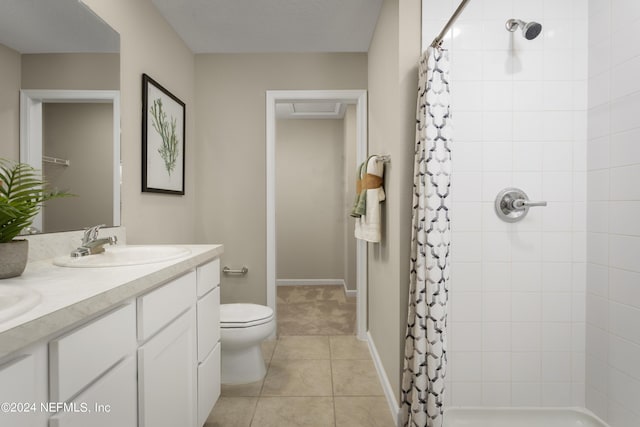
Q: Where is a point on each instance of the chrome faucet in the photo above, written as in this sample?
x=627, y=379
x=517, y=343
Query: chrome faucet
x=91, y=245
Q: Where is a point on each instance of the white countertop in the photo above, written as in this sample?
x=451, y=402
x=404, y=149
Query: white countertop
x=73, y=295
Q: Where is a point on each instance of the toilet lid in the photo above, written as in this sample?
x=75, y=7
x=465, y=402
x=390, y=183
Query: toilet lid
x=244, y=315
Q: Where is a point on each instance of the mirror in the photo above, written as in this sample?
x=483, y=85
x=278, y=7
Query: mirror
x=68, y=66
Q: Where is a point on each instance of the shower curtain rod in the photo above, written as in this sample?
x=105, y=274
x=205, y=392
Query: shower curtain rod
x=437, y=42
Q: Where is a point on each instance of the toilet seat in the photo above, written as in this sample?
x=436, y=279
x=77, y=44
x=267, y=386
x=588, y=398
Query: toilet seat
x=244, y=315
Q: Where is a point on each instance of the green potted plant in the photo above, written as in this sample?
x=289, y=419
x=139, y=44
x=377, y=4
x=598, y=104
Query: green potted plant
x=22, y=192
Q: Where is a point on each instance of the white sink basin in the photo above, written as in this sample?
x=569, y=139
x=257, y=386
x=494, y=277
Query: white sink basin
x=117, y=256
x=15, y=300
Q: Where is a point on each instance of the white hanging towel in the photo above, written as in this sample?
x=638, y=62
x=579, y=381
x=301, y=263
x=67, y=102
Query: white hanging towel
x=368, y=225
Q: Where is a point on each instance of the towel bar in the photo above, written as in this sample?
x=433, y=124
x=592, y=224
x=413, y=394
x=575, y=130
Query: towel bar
x=244, y=270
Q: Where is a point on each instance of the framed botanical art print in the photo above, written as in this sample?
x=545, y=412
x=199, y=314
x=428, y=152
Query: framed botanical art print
x=163, y=143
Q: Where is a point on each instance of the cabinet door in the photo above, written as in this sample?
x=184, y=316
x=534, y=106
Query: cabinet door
x=111, y=401
x=23, y=385
x=167, y=376
x=208, y=384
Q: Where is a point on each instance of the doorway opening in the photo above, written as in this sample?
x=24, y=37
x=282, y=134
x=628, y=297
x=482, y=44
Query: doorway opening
x=353, y=97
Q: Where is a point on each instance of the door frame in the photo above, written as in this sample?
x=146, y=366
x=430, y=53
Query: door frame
x=359, y=99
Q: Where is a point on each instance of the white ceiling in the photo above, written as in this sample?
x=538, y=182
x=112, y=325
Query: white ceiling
x=254, y=26
x=48, y=26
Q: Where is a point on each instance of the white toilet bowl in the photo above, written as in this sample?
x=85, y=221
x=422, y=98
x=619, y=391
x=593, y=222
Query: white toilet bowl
x=243, y=327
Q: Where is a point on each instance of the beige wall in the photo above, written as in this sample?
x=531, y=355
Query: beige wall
x=9, y=103
x=311, y=215
x=78, y=71
x=392, y=66
x=149, y=45
x=349, y=134
x=230, y=112
x=82, y=134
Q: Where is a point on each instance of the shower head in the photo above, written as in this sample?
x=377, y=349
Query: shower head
x=530, y=30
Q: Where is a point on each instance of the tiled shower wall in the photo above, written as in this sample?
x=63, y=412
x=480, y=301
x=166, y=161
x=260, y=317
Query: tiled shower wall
x=613, y=213
x=517, y=307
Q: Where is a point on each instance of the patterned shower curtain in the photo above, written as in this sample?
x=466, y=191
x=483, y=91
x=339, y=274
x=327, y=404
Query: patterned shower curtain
x=425, y=360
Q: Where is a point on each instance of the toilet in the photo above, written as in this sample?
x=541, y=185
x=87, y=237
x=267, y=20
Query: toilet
x=243, y=327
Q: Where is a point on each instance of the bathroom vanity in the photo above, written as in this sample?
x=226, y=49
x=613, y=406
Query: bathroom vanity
x=123, y=346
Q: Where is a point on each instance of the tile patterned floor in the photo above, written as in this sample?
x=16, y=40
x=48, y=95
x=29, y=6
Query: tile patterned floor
x=317, y=376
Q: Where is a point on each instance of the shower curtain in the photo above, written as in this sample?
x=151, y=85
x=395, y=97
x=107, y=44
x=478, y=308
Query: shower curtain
x=425, y=359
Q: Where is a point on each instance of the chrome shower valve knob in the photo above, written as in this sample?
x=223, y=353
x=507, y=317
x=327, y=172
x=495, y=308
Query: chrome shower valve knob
x=512, y=204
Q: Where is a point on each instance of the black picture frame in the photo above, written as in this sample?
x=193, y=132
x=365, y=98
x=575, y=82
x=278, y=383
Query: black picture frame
x=163, y=139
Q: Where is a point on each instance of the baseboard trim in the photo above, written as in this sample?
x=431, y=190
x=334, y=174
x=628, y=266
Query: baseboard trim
x=384, y=380
x=307, y=282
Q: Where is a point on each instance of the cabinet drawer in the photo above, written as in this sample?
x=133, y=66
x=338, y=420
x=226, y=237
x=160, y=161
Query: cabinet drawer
x=159, y=307
x=208, y=384
x=208, y=276
x=111, y=401
x=78, y=358
x=208, y=323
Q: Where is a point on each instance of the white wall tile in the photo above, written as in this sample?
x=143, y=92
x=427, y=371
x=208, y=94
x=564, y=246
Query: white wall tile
x=528, y=95
x=497, y=95
x=623, y=389
x=556, y=307
x=599, y=89
x=556, y=366
x=598, y=280
x=624, y=12
x=527, y=156
x=466, y=307
x=526, y=394
x=526, y=366
x=598, y=185
x=557, y=216
x=625, y=218
x=496, y=366
x=496, y=247
x=466, y=277
x=466, y=366
x=624, y=321
x=496, y=394
x=558, y=95
x=624, y=356
x=465, y=216
x=497, y=156
x=528, y=126
x=465, y=65
x=597, y=311
x=624, y=78
x=624, y=182
x=497, y=126
x=624, y=287
x=599, y=121
x=598, y=153
x=526, y=307
x=497, y=65
x=496, y=306
x=467, y=394
x=468, y=187
x=526, y=336
x=598, y=216
x=496, y=276
x=557, y=186
x=624, y=114
x=625, y=149
x=556, y=336
x=556, y=394
x=557, y=65
x=468, y=125
x=496, y=336
x=467, y=96
x=526, y=277
x=621, y=49
x=465, y=336
x=556, y=246
x=526, y=246
x=557, y=156
x=624, y=252
x=556, y=277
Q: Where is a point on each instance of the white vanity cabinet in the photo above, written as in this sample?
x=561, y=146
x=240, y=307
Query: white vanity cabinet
x=167, y=387
x=23, y=384
x=151, y=360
